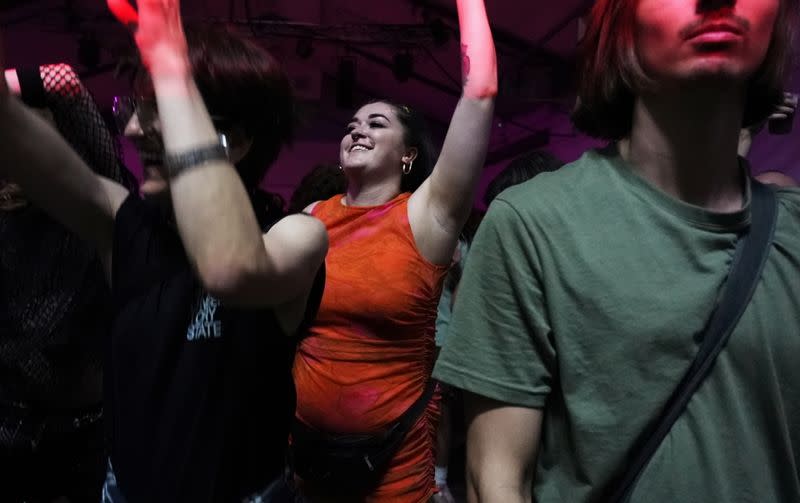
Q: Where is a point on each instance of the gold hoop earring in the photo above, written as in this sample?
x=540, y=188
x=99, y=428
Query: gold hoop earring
x=407, y=167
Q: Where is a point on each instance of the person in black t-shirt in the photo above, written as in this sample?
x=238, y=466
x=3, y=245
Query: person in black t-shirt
x=198, y=378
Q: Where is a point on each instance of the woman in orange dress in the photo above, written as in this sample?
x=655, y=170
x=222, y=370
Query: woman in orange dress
x=369, y=355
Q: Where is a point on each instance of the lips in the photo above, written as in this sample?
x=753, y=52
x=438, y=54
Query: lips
x=716, y=30
x=359, y=148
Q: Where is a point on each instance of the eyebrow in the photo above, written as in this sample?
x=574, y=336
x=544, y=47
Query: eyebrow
x=371, y=116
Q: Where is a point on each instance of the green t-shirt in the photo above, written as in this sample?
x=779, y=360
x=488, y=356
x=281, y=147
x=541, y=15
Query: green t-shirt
x=583, y=295
x=444, y=311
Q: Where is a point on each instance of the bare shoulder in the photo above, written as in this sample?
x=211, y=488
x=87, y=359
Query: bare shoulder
x=310, y=208
x=298, y=237
x=297, y=246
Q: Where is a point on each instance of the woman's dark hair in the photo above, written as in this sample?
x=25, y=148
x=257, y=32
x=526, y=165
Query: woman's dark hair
x=245, y=86
x=520, y=170
x=611, y=75
x=471, y=226
x=269, y=207
x=416, y=135
x=323, y=182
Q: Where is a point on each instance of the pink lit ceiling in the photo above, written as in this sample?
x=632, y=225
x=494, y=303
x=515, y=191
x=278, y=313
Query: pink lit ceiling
x=535, y=41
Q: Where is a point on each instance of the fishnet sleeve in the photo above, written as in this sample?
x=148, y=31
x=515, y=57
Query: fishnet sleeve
x=53, y=296
x=78, y=119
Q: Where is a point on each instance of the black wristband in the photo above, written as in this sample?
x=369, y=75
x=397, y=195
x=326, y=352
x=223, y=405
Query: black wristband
x=31, y=87
x=175, y=164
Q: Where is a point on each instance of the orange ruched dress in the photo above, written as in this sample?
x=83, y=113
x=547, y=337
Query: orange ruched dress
x=371, y=349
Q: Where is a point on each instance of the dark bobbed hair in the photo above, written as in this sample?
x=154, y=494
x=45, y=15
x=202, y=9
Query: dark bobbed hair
x=521, y=169
x=323, y=182
x=611, y=75
x=417, y=135
x=242, y=83
x=269, y=207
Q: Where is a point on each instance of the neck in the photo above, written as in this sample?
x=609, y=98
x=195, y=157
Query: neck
x=360, y=193
x=686, y=144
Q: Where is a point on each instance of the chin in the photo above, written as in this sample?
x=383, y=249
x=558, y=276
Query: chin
x=353, y=167
x=721, y=66
x=710, y=75
x=150, y=188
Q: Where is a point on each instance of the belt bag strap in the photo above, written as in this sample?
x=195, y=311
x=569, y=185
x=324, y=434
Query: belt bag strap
x=413, y=413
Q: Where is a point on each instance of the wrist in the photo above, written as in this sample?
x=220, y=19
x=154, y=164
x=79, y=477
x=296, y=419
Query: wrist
x=176, y=163
x=10, y=82
x=174, y=83
x=166, y=61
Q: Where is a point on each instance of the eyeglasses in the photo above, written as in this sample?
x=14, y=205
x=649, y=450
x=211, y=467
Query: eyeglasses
x=145, y=109
x=124, y=108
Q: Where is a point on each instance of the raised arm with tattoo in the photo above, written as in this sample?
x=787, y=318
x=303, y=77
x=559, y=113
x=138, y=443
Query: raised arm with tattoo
x=440, y=207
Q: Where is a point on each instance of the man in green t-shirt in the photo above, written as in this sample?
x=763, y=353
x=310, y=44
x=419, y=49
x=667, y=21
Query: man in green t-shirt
x=587, y=289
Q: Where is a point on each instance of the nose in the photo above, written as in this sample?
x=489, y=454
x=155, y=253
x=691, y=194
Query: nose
x=357, y=133
x=133, y=127
x=712, y=5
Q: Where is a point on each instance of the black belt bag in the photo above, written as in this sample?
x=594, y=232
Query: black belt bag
x=351, y=463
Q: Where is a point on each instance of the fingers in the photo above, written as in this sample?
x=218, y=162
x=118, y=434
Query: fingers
x=785, y=109
x=124, y=12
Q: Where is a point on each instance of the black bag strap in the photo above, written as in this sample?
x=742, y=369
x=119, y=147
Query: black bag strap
x=749, y=258
x=410, y=416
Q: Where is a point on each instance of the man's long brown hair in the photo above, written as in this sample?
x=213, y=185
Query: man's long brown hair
x=611, y=75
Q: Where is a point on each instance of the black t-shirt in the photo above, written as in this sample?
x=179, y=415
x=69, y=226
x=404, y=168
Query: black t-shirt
x=199, y=397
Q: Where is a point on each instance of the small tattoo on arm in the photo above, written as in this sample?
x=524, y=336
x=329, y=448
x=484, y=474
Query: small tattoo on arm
x=465, y=63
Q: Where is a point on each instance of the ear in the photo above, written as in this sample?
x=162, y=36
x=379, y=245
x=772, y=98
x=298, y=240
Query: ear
x=410, y=156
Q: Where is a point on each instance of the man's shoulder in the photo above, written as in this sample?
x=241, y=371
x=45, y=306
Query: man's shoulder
x=789, y=207
x=583, y=182
x=789, y=197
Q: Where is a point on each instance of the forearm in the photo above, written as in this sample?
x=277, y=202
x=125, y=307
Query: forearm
x=502, y=442
x=212, y=209
x=464, y=150
x=51, y=174
x=485, y=487
x=478, y=57
x=471, y=121
x=12, y=81
x=58, y=89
